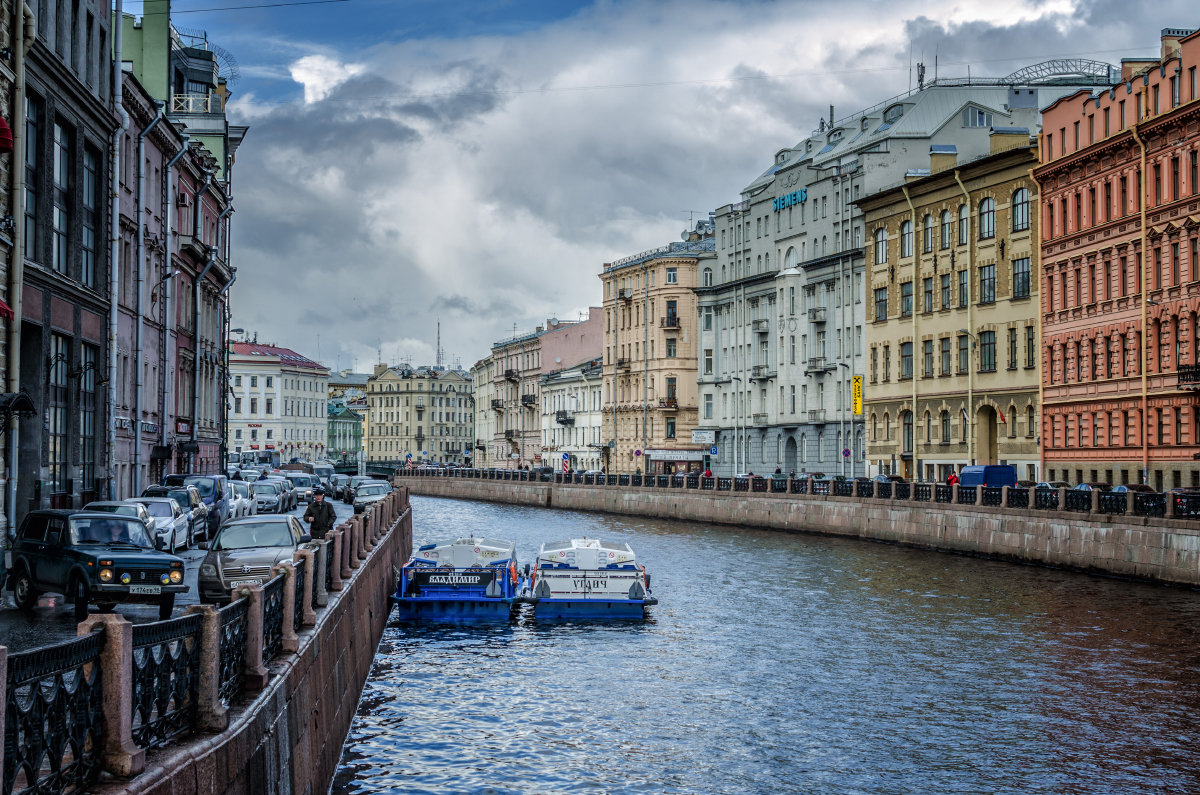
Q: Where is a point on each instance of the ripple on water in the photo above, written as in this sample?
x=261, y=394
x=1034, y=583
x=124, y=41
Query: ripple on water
x=780, y=663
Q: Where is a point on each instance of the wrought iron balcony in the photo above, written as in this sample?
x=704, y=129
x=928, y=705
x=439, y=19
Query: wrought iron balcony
x=1189, y=376
x=816, y=314
x=622, y=362
x=818, y=364
x=420, y=437
x=480, y=444
x=761, y=325
x=668, y=403
x=761, y=372
x=498, y=404
x=529, y=400
x=511, y=434
x=760, y=420
x=512, y=375
x=670, y=321
x=816, y=415
x=625, y=294
x=564, y=417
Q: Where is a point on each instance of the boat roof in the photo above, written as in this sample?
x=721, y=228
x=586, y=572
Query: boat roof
x=586, y=543
x=470, y=541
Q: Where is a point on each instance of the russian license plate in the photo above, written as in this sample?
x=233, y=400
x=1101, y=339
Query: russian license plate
x=145, y=589
x=240, y=583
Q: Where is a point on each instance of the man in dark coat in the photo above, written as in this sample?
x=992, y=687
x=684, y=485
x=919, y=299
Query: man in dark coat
x=320, y=515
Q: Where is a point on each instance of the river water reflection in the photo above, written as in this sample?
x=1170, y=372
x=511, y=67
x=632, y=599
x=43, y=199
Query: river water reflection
x=782, y=663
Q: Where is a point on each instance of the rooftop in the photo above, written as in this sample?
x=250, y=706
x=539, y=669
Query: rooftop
x=287, y=356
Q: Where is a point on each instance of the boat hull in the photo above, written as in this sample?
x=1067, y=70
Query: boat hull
x=482, y=609
x=590, y=608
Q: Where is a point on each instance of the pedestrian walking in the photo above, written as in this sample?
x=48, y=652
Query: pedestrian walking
x=320, y=515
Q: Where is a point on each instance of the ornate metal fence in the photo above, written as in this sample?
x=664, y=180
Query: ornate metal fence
x=1018, y=497
x=843, y=488
x=883, y=490
x=165, y=681
x=233, y=647
x=922, y=492
x=942, y=492
x=993, y=495
x=1078, y=501
x=272, y=598
x=1149, y=504
x=1112, y=503
x=903, y=490
x=298, y=601
x=52, y=736
x=1045, y=499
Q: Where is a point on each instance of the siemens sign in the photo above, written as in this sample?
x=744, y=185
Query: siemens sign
x=789, y=200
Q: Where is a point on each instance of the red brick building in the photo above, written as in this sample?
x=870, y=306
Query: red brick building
x=1120, y=270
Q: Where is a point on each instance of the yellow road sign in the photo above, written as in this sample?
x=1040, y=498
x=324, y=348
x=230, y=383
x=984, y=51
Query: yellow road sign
x=856, y=394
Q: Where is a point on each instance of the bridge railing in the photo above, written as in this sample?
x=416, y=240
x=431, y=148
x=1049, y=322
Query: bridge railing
x=134, y=687
x=1170, y=505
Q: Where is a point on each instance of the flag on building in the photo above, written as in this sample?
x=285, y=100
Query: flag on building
x=1001, y=413
x=966, y=418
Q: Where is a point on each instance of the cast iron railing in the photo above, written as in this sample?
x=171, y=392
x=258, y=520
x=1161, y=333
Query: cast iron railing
x=966, y=495
x=52, y=730
x=1018, y=497
x=234, y=618
x=165, y=679
x=1045, y=499
x=1112, y=503
x=1149, y=504
x=884, y=490
x=298, y=594
x=1078, y=501
x=993, y=495
x=272, y=599
x=903, y=490
x=943, y=493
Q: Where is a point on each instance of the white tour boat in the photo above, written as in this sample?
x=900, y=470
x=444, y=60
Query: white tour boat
x=587, y=577
x=463, y=578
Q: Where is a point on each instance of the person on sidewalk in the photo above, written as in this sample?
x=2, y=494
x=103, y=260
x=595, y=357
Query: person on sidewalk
x=320, y=515
x=952, y=478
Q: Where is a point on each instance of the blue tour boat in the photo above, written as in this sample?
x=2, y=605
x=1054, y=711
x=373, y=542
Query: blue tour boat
x=468, y=578
x=588, y=578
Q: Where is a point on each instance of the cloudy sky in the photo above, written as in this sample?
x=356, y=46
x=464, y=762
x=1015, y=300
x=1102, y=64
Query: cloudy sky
x=476, y=162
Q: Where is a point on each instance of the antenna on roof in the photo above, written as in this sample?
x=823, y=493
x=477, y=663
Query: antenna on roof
x=920, y=76
x=438, y=353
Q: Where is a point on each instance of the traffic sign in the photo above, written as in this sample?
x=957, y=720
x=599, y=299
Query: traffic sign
x=712, y=450
x=637, y=452
x=845, y=452
x=566, y=456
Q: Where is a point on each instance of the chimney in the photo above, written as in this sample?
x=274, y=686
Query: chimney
x=1134, y=67
x=942, y=157
x=1170, y=41
x=831, y=116
x=1002, y=139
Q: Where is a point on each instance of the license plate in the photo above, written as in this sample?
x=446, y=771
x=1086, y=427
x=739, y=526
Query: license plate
x=240, y=583
x=145, y=589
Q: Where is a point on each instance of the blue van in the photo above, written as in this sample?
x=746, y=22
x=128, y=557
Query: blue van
x=213, y=492
x=993, y=475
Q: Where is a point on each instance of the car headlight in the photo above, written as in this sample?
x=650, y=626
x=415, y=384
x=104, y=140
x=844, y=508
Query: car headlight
x=208, y=570
x=176, y=577
x=106, y=575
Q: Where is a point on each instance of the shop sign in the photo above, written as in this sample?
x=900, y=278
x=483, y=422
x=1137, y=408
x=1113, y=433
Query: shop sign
x=182, y=427
x=676, y=455
x=789, y=199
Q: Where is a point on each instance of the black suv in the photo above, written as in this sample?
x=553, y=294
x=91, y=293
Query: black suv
x=91, y=557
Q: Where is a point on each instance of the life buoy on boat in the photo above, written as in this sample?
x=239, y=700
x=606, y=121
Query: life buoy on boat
x=512, y=571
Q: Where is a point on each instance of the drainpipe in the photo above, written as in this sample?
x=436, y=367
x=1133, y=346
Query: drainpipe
x=970, y=325
x=114, y=284
x=24, y=31
x=169, y=295
x=916, y=273
x=210, y=260
x=141, y=281
x=1045, y=235
x=223, y=380
x=1144, y=276
x=645, y=359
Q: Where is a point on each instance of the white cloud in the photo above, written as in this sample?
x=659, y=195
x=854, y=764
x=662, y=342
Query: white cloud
x=320, y=74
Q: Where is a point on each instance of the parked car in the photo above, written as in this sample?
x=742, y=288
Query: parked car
x=337, y=485
x=1154, y=504
x=188, y=498
x=288, y=491
x=125, y=509
x=1096, y=486
x=212, y=493
x=303, y=484
x=544, y=474
x=348, y=493
x=268, y=497
x=1053, y=484
x=244, y=503
x=245, y=551
x=171, y=527
x=91, y=557
x=989, y=475
x=370, y=492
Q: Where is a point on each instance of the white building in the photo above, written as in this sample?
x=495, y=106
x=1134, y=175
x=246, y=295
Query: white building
x=279, y=402
x=482, y=375
x=572, y=416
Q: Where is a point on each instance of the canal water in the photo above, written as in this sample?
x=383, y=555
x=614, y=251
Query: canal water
x=780, y=663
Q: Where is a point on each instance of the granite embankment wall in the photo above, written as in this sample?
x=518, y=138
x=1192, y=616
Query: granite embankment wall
x=1150, y=548
x=288, y=738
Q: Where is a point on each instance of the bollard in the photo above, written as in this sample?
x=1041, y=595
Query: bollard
x=344, y=555
x=307, y=616
x=1062, y=498
x=355, y=540
x=979, y=493
x=253, y=668
x=211, y=714
x=290, y=643
x=121, y=755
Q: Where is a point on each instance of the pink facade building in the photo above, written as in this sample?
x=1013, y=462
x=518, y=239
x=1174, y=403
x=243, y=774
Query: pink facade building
x=1120, y=270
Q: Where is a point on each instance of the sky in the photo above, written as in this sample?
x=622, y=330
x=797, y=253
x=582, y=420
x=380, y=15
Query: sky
x=411, y=162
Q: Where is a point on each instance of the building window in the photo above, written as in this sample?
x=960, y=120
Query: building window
x=91, y=202
x=975, y=117
x=987, y=352
x=708, y=361
x=253, y=405
x=237, y=380
x=61, y=218
x=945, y=237
x=270, y=382
x=254, y=381
x=708, y=406
x=906, y=360
x=881, y=303
x=672, y=276
x=945, y=427
x=1020, y=287
x=963, y=224
x=707, y=277
x=33, y=120
x=670, y=427
x=906, y=299
x=906, y=239
x=1012, y=349
x=945, y=291
x=708, y=318
x=57, y=447
x=887, y=362
x=1020, y=210
x=927, y=235
x=89, y=362
x=270, y=406
x=907, y=425
x=928, y=351
x=987, y=219
x=945, y=356
x=237, y=405
x=987, y=284
x=880, y=246
x=963, y=288
x=964, y=353
x=928, y=291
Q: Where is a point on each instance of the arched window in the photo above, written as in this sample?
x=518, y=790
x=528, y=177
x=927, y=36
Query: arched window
x=906, y=239
x=945, y=427
x=987, y=219
x=874, y=427
x=1020, y=210
x=946, y=230
x=880, y=246
x=927, y=235
x=928, y=427
x=906, y=420
x=962, y=224
x=803, y=448
x=789, y=259
x=1012, y=420
x=887, y=426
x=707, y=282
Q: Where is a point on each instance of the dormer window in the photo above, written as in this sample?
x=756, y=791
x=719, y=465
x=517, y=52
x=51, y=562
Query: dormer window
x=835, y=136
x=781, y=157
x=893, y=113
x=865, y=123
x=975, y=117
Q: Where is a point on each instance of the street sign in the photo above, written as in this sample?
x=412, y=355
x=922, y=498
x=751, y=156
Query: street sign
x=566, y=456
x=845, y=452
x=637, y=452
x=704, y=437
x=712, y=450
x=856, y=394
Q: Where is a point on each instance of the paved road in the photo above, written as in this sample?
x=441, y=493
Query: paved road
x=52, y=621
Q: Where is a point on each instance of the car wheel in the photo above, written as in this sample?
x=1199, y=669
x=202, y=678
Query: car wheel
x=166, y=606
x=24, y=592
x=80, y=598
x=191, y=537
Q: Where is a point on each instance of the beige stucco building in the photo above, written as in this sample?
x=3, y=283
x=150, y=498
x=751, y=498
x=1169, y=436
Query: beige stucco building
x=422, y=415
x=952, y=316
x=650, y=324
x=280, y=400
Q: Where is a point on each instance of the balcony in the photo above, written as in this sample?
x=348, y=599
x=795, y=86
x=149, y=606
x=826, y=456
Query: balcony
x=512, y=375
x=480, y=444
x=818, y=364
x=761, y=372
x=529, y=400
x=197, y=103
x=498, y=404
x=564, y=417
x=759, y=420
x=625, y=294
x=671, y=403
x=816, y=415
x=816, y=314
x=420, y=437
x=670, y=321
x=761, y=326
x=511, y=434
x=1189, y=376
x=623, y=363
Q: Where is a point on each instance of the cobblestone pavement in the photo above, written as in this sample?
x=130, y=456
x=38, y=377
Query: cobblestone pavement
x=52, y=621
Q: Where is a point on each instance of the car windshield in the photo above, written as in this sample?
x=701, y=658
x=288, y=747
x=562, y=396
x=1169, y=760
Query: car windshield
x=158, y=509
x=264, y=488
x=181, y=497
x=255, y=534
x=204, y=484
x=370, y=489
x=241, y=489
x=125, y=510
x=107, y=531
